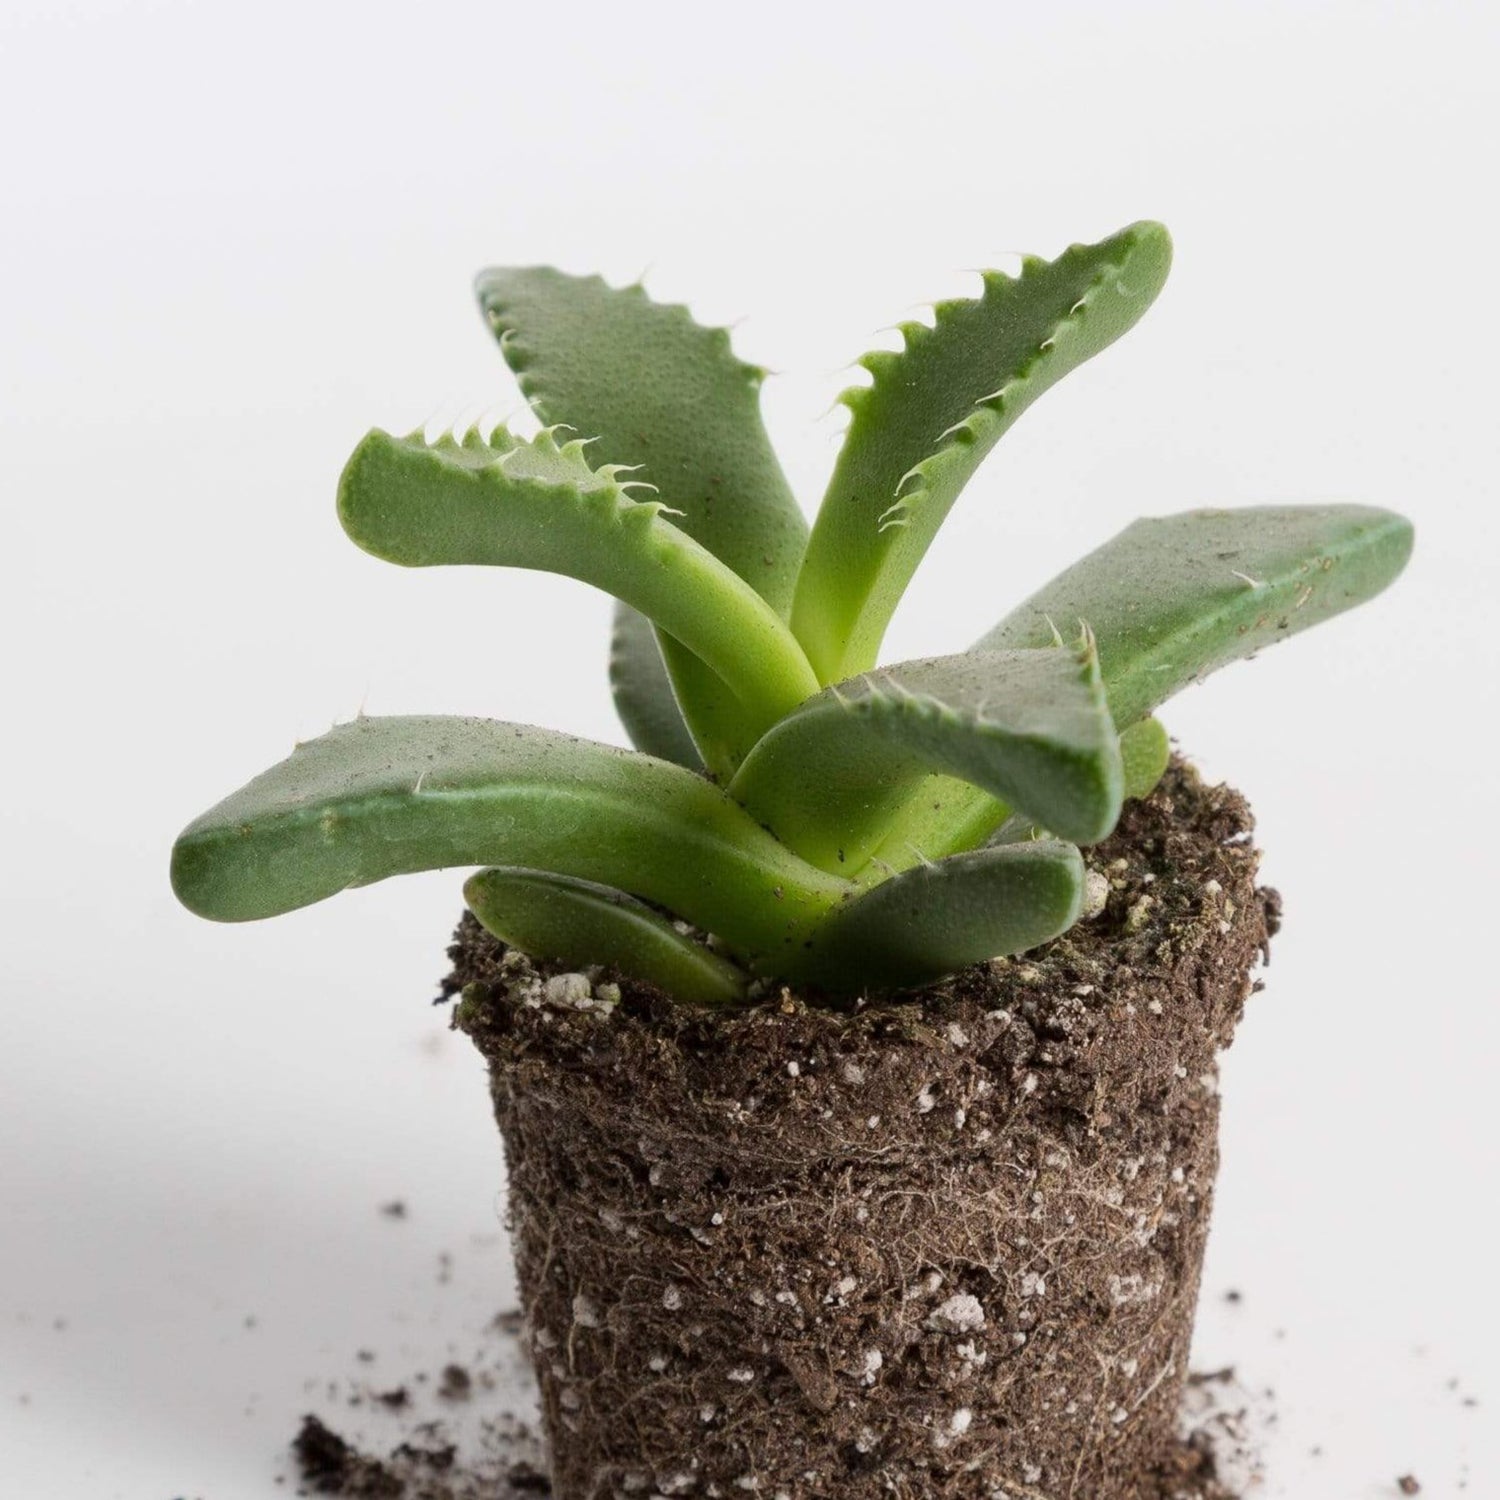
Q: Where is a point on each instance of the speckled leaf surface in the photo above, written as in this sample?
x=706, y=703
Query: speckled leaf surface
x=1145, y=751
x=1030, y=726
x=661, y=392
x=386, y=796
x=1173, y=598
x=935, y=919
x=578, y=922
x=933, y=411
x=643, y=693
x=540, y=504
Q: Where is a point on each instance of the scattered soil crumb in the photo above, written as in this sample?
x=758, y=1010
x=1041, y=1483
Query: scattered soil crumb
x=424, y=1467
x=395, y=1209
x=1408, y=1485
x=1221, y=1419
x=425, y=1460
x=460, y=1431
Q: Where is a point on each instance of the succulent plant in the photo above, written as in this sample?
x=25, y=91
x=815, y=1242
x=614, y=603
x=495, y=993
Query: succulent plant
x=829, y=822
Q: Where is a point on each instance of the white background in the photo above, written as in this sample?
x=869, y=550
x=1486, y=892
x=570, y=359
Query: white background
x=232, y=237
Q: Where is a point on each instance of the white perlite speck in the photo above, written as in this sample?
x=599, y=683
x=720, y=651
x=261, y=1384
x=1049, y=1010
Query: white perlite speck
x=671, y=1297
x=961, y=1313
x=959, y=1422
x=1095, y=894
x=585, y=1313
x=568, y=989
x=1033, y=1285
x=1125, y=1290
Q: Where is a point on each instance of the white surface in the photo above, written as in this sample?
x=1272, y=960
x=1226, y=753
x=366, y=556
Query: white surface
x=234, y=236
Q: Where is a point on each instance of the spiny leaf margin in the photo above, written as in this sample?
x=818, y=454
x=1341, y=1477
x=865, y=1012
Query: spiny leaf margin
x=934, y=410
x=540, y=505
x=1029, y=726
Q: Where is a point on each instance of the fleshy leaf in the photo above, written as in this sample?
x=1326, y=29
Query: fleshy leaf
x=578, y=922
x=1029, y=726
x=1145, y=752
x=663, y=393
x=1173, y=598
x=540, y=505
x=933, y=412
x=643, y=694
x=381, y=797
x=934, y=919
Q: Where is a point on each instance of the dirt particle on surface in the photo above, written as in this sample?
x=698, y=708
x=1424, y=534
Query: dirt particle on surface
x=503, y=1461
x=1408, y=1485
x=330, y=1466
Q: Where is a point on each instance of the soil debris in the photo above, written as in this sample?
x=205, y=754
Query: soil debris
x=505, y=1461
x=426, y=1465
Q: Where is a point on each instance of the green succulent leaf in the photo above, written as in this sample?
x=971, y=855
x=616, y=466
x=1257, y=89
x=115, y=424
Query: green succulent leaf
x=662, y=393
x=934, y=919
x=1173, y=598
x=643, y=694
x=382, y=797
x=1145, y=752
x=538, y=504
x=578, y=922
x=932, y=413
x=1029, y=726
